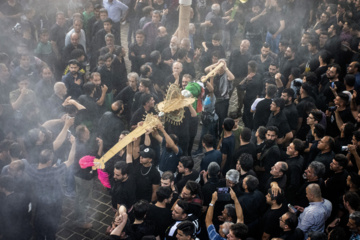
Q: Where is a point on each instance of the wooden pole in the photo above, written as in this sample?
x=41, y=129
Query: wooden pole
x=184, y=19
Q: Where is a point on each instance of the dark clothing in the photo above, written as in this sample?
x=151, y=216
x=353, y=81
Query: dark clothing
x=253, y=205
x=270, y=154
x=145, y=178
x=88, y=116
x=291, y=115
x=169, y=160
x=14, y=217
x=270, y=221
x=126, y=95
x=247, y=148
x=304, y=129
x=136, y=60
x=181, y=131
x=83, y=149
x=285, y=68
x=119, y=74
x=181, y=180
x=294, y=175
x=66, y=52
x=57, y=35
x=335, y=187
x=238, y=64
x=107, y=77
x=262, y=113
x=74, y=90
x=139, y=116
x=110, y=128
x=208, y=189
x=166, y=55
x=99, y=39
x=227, y=148
x=281, y=181
x=326, y=159
x=49, y=197
x=211, y=156
x=123, y=193
x=138, y=231
x=161, y=217
x=280, y=121
x=300, y=197
x=297, y=234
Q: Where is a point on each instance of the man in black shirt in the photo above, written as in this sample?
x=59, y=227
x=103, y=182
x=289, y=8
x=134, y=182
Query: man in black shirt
x=262, y=111
x=252, y=203
x=238, y=66
x=123, y=187
x=111, y=124
x=278, y=119
x=290, y=62
x=269, y=155
x=147, y=177
x=305, y=98
x=185, y=172
x=147, y=102
x=252, y=84
x=288, y=223
x=158, y=213
x=335, y=186
x=127, y=94
x=57, y=38
x=295, y=168
x=270, y=225
x=326, y=154
x=245, y=147
x=290, y=109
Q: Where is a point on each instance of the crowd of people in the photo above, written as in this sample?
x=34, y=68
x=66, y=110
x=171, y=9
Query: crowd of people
x=282, y=164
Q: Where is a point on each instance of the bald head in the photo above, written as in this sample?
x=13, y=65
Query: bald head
x=162, y=31
x=313, y=191
x=74, y=38
x=244, y=46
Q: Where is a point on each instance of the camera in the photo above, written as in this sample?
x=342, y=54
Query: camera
x=223, y=194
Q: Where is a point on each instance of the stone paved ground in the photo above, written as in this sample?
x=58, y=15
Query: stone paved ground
x=100, y=212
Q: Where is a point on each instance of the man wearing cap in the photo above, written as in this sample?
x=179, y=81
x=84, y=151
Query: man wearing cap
x=146, y=175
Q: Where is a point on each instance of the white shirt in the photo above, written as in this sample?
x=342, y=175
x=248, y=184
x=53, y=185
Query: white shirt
x=116, y=10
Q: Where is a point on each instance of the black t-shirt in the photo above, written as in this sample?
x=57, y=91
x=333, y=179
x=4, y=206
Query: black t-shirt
x=57, y=34
x=270, y=221
x=291, y=115
x=123, y=193
x=247, y=148
x=280, y=121
x=273, y=22
x=262, y=113
x=181, y=180
x=145, y=178
x=297, y=234
x=139, y=116
x=227, y=148
x=161, y=217
x=138, y=231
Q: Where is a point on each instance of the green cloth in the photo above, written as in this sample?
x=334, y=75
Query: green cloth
x=195, y=90
x=43, y=48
